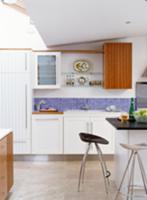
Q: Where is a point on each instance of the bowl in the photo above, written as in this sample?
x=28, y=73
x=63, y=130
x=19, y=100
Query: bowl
x=141, y=119
x=124, y=117
x=141, y=115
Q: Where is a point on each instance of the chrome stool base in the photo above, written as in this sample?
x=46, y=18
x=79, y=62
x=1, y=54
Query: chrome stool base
x=132, y=159
x=106, y=173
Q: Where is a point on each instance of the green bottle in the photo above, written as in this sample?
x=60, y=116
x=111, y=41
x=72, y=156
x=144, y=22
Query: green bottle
x=131, y=110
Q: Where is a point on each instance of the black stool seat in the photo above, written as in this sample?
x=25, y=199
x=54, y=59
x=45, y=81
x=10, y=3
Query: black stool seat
x=90, y=138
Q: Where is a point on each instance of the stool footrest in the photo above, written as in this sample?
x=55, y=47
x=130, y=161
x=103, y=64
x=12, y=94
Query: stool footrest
x=108, y=174
x=138, y=191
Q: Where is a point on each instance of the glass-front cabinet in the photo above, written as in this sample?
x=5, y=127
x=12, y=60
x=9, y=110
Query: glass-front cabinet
x=47, y=70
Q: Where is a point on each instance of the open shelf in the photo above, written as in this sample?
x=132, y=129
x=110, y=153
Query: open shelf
x=86, y=79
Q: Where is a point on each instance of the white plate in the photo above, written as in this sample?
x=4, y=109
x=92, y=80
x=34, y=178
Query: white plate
x=81, y=66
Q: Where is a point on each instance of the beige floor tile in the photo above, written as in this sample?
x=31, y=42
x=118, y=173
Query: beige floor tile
x=59, y=181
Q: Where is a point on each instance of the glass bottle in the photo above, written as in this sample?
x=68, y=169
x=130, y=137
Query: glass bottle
x=131, y=110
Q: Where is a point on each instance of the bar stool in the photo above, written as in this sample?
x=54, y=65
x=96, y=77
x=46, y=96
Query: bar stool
x=96, y=140
x=134, y=155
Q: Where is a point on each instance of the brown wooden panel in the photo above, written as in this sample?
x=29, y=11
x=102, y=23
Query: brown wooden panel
x=3, y=168
x=47, y=112
x=72, y=51
x=9, y=161
x=118, y=65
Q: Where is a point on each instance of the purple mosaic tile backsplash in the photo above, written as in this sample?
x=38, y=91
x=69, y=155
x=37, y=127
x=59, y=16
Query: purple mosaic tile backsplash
x=63, y=104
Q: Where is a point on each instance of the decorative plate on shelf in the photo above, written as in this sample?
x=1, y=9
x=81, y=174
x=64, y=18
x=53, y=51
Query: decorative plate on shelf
x=82, y=80
x=81, y=66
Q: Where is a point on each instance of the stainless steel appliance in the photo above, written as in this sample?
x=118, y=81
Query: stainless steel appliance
x=141, y=95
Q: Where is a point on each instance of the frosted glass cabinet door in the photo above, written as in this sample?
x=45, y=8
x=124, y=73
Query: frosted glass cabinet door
x=47, y=70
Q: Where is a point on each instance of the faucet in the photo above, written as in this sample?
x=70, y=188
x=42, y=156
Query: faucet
x=86, y=107
x=39, y=105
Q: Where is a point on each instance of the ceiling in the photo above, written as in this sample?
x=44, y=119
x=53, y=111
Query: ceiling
x=74, y=21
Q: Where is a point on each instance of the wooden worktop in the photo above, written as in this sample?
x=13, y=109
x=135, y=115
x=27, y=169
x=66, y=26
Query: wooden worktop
x=47, y=113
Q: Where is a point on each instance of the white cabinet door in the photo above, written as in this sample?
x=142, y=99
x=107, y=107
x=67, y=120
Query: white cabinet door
x=47, y=70
x=14, y=61
x=47, y=134
x=15, y=108
x=102, y=128
x=72, y=127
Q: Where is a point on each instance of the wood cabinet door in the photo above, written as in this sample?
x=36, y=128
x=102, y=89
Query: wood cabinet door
x=117, y=65
x=9, y=161
x=3, y=168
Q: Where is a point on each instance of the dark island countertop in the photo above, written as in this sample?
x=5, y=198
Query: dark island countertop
x=126, y=125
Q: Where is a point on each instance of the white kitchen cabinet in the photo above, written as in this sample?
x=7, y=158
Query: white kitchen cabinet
x=14, y=61
x=72, y=127
x=94, y=124
x=47, y=70
x=47, y=134
x=15, y=99
x=103, y=129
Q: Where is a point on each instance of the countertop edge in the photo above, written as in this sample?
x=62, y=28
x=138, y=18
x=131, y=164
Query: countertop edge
x=126, y=125
x=47, y=113
x=4, y=133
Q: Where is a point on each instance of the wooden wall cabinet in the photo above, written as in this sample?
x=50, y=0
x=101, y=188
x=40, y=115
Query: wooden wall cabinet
x=118, y=65
x=6, y=165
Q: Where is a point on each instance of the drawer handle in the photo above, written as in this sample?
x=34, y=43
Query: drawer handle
x=53, y=119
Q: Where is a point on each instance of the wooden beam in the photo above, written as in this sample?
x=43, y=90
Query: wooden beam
x=74, y=51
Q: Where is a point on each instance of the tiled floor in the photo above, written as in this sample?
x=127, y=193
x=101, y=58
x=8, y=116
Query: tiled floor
x=58, y=181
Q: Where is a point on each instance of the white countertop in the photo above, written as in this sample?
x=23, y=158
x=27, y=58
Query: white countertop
x=4, y=132
x=91, y=112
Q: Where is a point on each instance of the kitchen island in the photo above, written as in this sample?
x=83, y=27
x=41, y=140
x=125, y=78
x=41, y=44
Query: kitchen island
x=128, y=133
x=6, y=162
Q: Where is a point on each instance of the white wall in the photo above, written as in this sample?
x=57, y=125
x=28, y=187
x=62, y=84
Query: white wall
x=139, y=65
x=16, y=30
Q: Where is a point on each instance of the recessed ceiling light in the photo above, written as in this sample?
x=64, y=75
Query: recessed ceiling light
x=128, y=22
